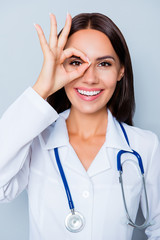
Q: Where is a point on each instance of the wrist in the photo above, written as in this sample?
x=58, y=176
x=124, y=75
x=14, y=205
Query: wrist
x=44, y=94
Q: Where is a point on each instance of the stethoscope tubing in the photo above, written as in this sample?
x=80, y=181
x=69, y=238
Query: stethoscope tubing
x=74, y=221
x=119, y=168
x=130, y=222
x=67, y=190
x=121, y=152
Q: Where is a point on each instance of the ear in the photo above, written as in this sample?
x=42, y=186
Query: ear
x=121, y=73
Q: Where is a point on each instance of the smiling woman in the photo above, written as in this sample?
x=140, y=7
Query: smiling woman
x=70, y=146
x=106, y=38
x=102, y=74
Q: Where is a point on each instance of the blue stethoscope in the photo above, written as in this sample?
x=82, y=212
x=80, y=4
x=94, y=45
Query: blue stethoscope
x=75, y=221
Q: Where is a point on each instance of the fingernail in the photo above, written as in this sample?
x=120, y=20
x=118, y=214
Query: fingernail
x=34, y=25
x=87, y=59
x=68, y=14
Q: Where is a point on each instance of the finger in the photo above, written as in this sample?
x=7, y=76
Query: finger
x=53, y=32
x=64, y=34
x=78, y=72
x=42, y=39
x=69, y=52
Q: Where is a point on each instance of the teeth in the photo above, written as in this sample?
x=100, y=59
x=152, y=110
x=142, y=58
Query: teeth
x=88, y=93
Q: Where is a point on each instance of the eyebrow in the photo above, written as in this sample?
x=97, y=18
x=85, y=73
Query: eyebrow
x=104, y=57
x=97, y=59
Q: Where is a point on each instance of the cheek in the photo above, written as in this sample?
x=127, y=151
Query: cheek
x=69, y=90
x=110, y=80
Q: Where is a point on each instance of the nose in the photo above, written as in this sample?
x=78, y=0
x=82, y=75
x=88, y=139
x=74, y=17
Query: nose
x=90, y=76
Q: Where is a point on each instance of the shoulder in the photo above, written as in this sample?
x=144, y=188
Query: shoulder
x=139, y=132
x=140, y=139
x=56, y=134
x=147, y=144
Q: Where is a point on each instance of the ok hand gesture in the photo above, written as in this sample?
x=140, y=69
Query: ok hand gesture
x=53, y=75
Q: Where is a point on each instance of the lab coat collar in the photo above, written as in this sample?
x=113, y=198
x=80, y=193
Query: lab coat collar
x=114, y=136
x=56, y=135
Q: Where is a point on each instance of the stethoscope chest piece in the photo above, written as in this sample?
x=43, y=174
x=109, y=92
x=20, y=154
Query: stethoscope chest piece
x=74, y=222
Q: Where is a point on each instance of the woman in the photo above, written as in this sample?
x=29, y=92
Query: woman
x=87, y=78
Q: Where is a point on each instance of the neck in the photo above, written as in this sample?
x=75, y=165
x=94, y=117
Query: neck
x=87, y=125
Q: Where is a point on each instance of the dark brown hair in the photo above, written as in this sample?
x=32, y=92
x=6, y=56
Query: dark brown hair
x=122, y=103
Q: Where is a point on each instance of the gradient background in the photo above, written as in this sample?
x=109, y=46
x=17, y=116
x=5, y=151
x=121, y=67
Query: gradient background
x=21, y=60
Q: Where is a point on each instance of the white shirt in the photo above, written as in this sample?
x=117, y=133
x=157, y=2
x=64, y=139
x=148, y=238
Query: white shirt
x=29, y=131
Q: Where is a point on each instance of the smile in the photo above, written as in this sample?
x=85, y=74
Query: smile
x=88, y=93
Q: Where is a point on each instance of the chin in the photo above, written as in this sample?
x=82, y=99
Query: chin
x=89, y=109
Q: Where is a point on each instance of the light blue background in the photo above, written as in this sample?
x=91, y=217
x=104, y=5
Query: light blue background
x=21, y=60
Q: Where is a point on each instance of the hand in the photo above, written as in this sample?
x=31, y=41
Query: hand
x=53, y=75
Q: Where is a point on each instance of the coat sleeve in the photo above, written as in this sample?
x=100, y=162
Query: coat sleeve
x=153, y=191
x=25, y=119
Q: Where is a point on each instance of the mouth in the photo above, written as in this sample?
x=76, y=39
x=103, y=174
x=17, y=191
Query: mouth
x=89, y=94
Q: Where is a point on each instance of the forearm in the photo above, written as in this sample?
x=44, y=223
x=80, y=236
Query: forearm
x=25, y=119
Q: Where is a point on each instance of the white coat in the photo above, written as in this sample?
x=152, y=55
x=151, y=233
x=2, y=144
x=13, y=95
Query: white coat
x=29, y=131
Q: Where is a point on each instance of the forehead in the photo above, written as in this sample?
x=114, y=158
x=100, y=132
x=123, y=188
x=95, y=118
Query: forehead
x=91, y=42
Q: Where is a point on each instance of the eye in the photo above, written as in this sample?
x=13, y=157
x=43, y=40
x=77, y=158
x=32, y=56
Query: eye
x=72, y=64
x=104, y=64
x=75, y=63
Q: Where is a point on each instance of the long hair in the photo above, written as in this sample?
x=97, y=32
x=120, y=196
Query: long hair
x=122, y=102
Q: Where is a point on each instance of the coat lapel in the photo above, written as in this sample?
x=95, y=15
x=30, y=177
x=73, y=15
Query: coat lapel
x=56, y=135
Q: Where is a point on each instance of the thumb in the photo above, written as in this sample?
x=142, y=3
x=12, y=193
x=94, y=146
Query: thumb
x=78, y=72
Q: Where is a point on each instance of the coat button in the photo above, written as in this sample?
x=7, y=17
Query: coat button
x=85, y=194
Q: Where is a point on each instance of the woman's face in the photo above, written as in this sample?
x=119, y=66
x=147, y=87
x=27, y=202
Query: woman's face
x=91, y=92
